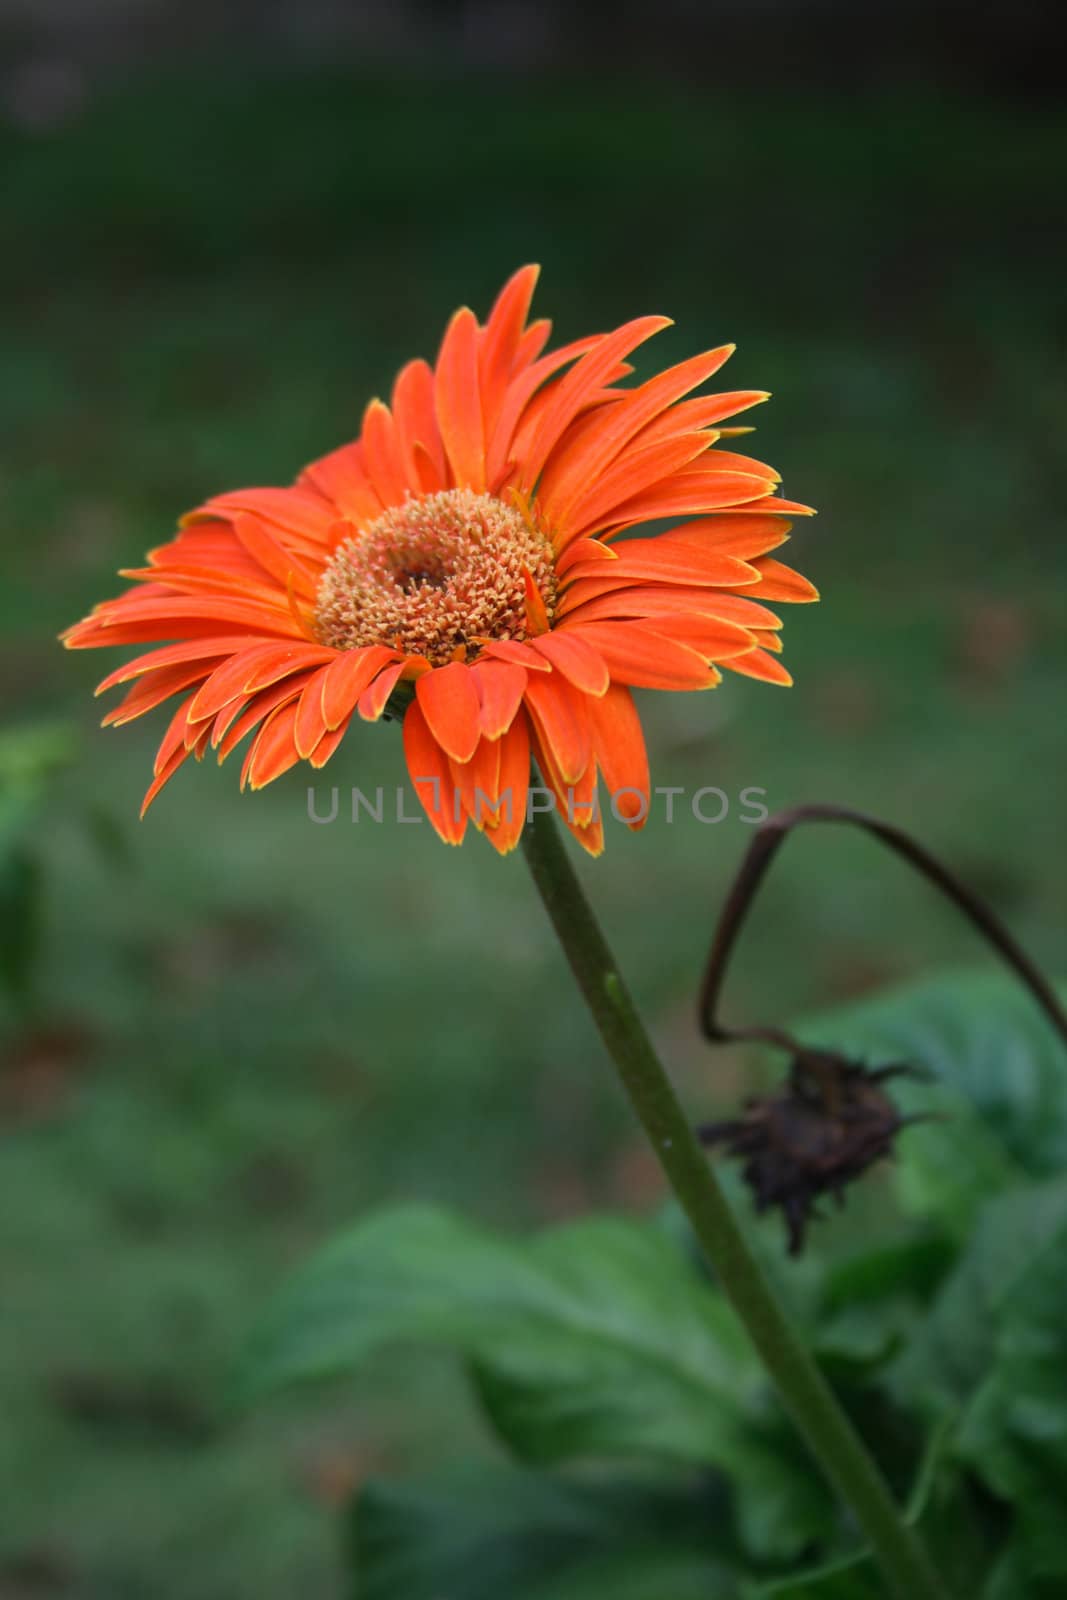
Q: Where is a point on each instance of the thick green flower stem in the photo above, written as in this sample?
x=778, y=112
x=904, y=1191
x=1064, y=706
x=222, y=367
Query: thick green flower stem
x=831, y=1437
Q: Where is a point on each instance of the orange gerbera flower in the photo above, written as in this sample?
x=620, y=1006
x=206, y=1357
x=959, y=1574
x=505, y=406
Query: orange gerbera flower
x=459, y=565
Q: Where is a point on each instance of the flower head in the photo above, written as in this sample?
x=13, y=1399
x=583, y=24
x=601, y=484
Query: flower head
x=468, y=563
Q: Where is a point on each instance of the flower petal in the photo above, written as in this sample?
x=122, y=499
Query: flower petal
x=645, y=660
x=779, y=582
x=619, y=743
x=382, y=455
x=500, y=687
x=587, y=375
x=583, y=461
x=417, y=430
x=501, y=339
x=373, y=701
x=458, y=403
x=576, y=659
x=561, y=717
x=758, y=664
x=504, y=829
x=348, y=675
x=273, y=751
x=431, y=777
x=449, y=700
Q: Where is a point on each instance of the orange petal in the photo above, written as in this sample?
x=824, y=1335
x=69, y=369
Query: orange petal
x=505, y=829
x=431, y=777
x=273, y=751
x=254, y=668
x=283, y=565
x=175, y=614
x=477, y=781
x=519, y=654
x=663, y=561
x=328, y=744
x=176, y=737
x=779, y=582
x=587, y=551
x=576, y=659
x=501, y=339
x=152, y=691
x=561, y=717
x=577, y=464
x=174, y=655
x=619, y=743
x=310, y=724
x=348, y=676
x=575, y=804
x=234, y=723
x=536, y=615
x=373, y=701
x=382, y=455
x=637, y=471
x=449, y=700
x=758, y=664
x=704, y=489
x=703, y=412
x=663, y=599
x=342, y=475
x=500, y=688
x=589, y=374
x=417, y=431
x=458, y=401
x=647, y=661
x=165, y=773
x=714, y=639
x=521, y=391
x=303, y=515
x=745, y=535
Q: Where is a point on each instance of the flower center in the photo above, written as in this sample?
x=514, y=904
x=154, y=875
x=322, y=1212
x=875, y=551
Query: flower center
x=433, y=576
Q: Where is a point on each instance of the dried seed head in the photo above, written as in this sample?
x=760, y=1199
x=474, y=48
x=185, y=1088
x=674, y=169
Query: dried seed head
x=823, y=1129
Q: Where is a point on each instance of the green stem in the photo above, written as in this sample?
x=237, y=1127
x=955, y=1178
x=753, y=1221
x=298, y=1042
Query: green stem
x=831, y=1438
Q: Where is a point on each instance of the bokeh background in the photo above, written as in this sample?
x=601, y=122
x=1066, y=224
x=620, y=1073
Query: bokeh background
x=227, y=1031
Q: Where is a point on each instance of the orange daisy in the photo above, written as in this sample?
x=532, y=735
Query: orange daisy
x=460, y=565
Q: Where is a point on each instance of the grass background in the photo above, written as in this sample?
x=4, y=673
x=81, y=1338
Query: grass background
x=245, y=1029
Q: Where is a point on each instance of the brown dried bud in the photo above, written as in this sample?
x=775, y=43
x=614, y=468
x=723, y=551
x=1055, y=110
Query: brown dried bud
x=830, y=1121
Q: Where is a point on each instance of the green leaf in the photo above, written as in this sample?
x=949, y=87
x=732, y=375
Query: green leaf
x=479, y=1534
x=872, y=1300
x=598, y=1339
x=998, y=1085
x=1014, y=1433
x=854, y=1579
x=952, y=1351
x=951, y=1525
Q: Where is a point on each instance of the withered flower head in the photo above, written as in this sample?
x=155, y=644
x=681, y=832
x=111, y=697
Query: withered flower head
x=829, y=1122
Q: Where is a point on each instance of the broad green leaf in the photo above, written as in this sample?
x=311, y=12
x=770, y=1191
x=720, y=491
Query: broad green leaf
x=1009, y=1580
x=872, y=1300
x=953, y=1350
x=481, y=1534
x=951, y=1525
x=998, y=1085
x=1014, y=1433
x=853, y=1579
x=598, y=1339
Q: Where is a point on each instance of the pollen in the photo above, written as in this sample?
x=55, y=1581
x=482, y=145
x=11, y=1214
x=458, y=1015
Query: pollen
x=436, y=575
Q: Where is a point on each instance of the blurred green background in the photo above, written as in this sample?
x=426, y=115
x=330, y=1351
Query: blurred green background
x=227, y=1031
